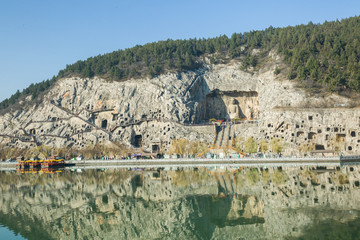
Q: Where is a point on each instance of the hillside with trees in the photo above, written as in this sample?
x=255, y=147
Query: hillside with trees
x=317, y=55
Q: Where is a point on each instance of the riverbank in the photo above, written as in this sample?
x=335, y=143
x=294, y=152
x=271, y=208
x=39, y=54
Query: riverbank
x=205, y=162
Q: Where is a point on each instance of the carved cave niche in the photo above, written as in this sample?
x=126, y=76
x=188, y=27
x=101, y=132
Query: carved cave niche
x=340, y=137
x=312, y=135
x=319, y=147
x=104, y=124
x=137, y=141
x=155, y=148
x=231, y=104
x=300, y=134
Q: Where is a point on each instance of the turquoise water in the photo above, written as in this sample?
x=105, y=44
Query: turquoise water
x=5, y=233
x=237, y=203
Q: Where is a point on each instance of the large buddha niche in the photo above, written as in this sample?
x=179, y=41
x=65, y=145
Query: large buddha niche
x=231, y=105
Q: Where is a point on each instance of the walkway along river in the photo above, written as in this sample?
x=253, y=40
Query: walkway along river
x=204, y=162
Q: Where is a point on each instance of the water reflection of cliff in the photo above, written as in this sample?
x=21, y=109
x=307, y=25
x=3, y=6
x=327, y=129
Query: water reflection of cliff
x=187, y=204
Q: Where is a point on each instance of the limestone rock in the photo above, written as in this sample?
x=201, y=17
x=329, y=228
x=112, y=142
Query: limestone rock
x=142, y=113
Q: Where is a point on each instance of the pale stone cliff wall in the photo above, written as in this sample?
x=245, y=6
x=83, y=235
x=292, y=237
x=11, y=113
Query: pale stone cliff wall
x=146, y=112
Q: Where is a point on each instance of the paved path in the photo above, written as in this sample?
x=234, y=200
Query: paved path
x=246, y=162
x=204, y=162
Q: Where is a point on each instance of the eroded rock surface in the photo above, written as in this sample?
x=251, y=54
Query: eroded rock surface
x=143, y=113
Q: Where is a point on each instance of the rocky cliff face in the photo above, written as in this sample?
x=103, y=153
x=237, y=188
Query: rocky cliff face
x=149, y=113
x=186, y=204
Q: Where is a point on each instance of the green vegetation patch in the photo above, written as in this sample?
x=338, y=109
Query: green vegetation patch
x=279, y=177
x=318, y=55
x=252, y=176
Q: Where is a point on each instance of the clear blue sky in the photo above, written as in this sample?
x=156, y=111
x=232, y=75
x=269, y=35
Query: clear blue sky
x=39, y=37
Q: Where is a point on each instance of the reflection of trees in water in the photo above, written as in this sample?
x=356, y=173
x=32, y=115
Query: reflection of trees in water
x=183, y=178
x=163, y=205
x=227, y=208
x=253, y=176
x=211, y=212
x=25, y=226
x=108, y=202
x=89, y=176
x=331, y=224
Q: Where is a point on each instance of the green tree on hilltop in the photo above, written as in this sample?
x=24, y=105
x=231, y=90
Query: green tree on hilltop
x=325, y=54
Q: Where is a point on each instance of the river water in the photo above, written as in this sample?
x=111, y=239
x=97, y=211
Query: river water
x=192, y=203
